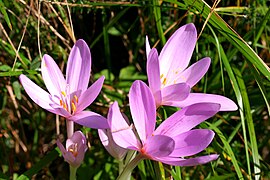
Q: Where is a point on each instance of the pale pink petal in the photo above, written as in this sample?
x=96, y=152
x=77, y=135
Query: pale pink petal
x=122, y=133
x=176, y=53
x=38, y=95
x=175, y=92
x=147, y=47
x=195, y=72
x=90, y=94
x=52, y=76
x=66, y=154
x=106, y=138
x=158, y=146
x=79, y=67
x=192, y=142
x=90, y=119
x=77, y=137
x=187, y=118
x=143, y=109
x=153, y=75
x=226, y=104
x=188, y=162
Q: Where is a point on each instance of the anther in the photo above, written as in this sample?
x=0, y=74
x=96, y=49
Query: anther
x=76, y=98
x=64, y=93
x=73, y=106
x=164, y=81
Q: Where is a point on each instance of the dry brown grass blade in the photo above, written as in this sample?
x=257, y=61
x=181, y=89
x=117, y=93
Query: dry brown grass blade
x=10, y=42
x=209, y=15
x=40, y=18
x=68, y=28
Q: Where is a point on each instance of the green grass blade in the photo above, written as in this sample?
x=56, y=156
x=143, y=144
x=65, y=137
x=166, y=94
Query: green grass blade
x=228, y=149
x=239, y=102
x=237, y=93
x=157, y=13
x=217, y=22
x=41, y=164
x=249, y=119
x=4, y=13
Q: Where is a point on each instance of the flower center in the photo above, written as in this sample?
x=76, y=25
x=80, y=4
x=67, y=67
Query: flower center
x=73, y=148
x=171, y=78
x=69, y=101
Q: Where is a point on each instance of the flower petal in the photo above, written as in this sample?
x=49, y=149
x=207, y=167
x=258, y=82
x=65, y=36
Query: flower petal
x=187, y=118
x=188, y=162
x=175, y=92
x=38, y=95
x=158, y=146
x=76, y=138
x=147, y=47
x=52, y=76
x=90, y=119
x=106, y=138
x=192, y=142
x=153, y=75
x=66, y=154
x=143, y=109
x=226, y=104
x=176, y=53
x=90, y=94
x=79, y=67
x=195, y=72
x=122, y=133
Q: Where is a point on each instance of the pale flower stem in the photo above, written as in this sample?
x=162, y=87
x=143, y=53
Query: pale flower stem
x=57, y=125
x=72, y=173
x=126, y=173
x=120, y=166
x=70, y=128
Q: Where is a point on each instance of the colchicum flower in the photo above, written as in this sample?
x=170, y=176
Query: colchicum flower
x=170, y=77
x=173, y=140
x=68, y=97
x=116, y=151
x=75, y=149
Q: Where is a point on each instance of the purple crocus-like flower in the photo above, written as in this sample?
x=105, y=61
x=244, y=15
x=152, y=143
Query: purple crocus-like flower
x=173, y=140
x=68, y=97
x=116, y=151
x=75, y=149
x=170, y=77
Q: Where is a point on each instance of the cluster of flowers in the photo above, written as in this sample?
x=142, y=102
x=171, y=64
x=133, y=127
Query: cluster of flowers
x=170, y=82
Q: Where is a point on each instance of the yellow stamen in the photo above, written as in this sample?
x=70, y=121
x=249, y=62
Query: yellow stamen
x=74, y=152
x=61, y=102
x=164, y=81
x=76, y=98
x=65, y=106
x=73, y=106
x=161, y=76
x=64, y=93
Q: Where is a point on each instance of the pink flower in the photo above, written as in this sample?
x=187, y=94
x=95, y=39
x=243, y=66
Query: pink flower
x=68, y=97
x=173, y=140
x=116, y=151
x=170, y=78
x=75, y=149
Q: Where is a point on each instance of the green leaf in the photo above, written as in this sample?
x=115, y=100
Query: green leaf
x=250, y=124
x=218, y=23
x=41, y=164
x=17, y=89
x=4, y=12
x=157, y=14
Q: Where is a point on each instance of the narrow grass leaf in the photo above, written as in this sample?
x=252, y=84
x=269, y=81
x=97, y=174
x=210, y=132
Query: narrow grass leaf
x=41, y=164
x=217, y=22
x=4, y=13
x=250, y=124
